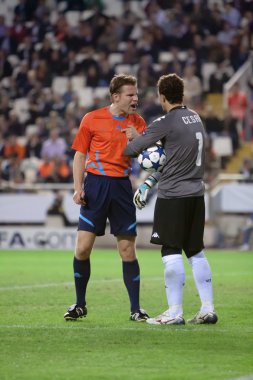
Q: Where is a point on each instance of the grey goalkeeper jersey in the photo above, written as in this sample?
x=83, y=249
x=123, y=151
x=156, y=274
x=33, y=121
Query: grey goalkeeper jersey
x=183, y=136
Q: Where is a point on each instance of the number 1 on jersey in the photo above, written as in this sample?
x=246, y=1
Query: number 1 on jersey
x=199, y=137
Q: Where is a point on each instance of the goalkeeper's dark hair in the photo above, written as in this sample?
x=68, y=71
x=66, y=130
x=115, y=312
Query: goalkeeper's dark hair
x=172, y=87
x=120, y=80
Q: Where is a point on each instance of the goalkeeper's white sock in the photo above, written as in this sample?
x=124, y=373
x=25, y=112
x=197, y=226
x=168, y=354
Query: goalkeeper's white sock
x=203, y=280
x=174, y=276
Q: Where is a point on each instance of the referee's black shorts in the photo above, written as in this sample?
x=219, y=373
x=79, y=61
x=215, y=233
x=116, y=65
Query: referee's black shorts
x=179, y=224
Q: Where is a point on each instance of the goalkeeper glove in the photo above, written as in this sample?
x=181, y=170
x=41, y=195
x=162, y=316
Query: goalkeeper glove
x=140, y=196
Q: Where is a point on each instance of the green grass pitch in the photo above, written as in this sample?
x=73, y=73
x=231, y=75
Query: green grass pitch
x=36, y=342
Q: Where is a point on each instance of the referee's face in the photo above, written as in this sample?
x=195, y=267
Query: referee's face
x=126, y=100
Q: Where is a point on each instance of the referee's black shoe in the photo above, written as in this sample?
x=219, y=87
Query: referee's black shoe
x=74, y=312
x=139, y=316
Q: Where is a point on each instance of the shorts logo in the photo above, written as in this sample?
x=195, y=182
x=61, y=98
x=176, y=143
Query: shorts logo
x=155, y=235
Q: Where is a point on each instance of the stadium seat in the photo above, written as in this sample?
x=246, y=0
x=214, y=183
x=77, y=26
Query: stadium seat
x=31, y=129
x=101, y=92
x=124, y=68
x=85, y=15
x=60, y=85
x=22, y=140
x=115, y=58
x=157, y=67
x=113, y=8
x=5, y=82
x=122, y=46
x=30, y=168
x=38, y=46
x=62, y=6
x=222, y=146
x=207, y=69
x=85, y=96
x=138, y=9
x=165, y=56
x=21, y=106
x=14, y=60
x=182, y=55
x=77, y=82
x=6, y=9
x=54, y=16
x=73, y=18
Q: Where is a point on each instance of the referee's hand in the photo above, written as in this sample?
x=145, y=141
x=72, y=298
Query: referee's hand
x=79, y=198
x=130, y=132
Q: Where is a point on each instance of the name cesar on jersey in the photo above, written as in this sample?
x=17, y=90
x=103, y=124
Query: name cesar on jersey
x=191, y=119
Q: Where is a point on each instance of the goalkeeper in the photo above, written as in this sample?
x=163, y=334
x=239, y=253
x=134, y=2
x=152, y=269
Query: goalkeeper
x=179, y=216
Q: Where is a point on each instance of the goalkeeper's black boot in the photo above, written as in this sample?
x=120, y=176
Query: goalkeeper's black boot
x=74, y=312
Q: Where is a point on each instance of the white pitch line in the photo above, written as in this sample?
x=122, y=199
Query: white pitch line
x=247, y=377
x=51, y=285
x=34, y=286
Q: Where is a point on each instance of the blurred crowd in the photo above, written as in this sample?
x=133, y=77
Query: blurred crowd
x=52, y=52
